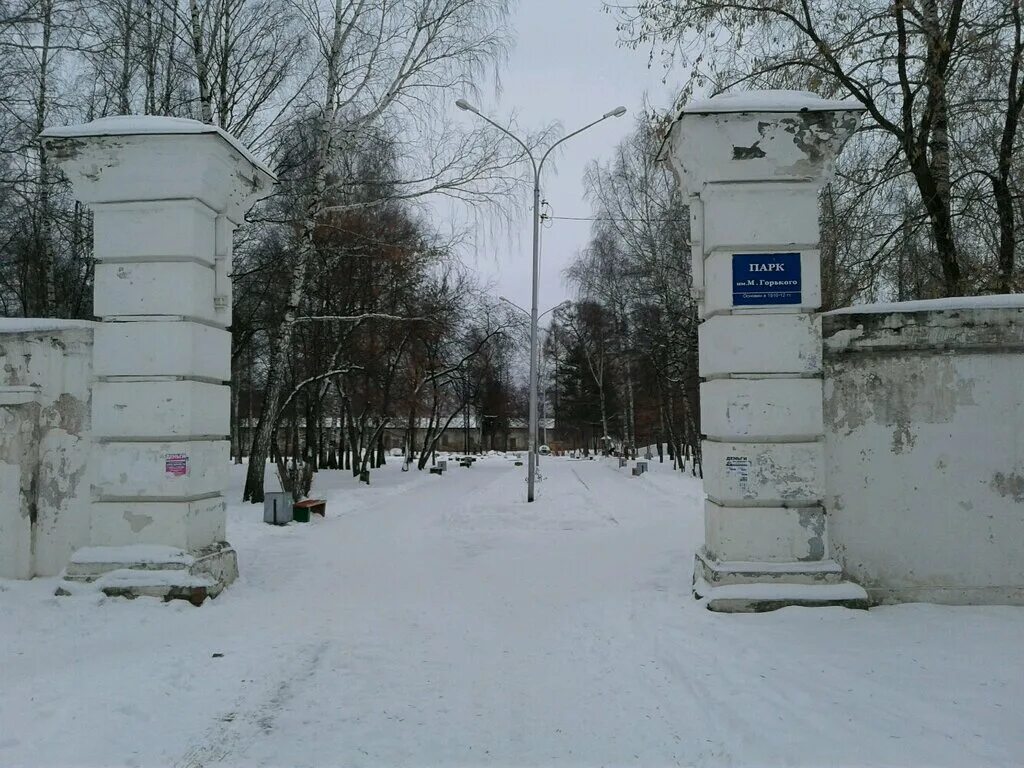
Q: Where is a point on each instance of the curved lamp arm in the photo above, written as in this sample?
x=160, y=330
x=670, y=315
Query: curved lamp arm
x=564, y=305
x=465, y=105
x=617, y=112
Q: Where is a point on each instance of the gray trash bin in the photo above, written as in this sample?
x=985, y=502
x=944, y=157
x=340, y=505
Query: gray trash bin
x=277, y=508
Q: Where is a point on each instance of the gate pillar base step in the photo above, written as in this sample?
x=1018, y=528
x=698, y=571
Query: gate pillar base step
x=142, y=570
x=747, y=587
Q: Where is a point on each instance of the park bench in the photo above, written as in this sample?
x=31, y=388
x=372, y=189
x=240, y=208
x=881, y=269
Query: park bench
x=438, y=470
x=303, y=509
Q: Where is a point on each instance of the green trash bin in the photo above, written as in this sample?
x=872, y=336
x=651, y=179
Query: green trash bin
x=301, y=514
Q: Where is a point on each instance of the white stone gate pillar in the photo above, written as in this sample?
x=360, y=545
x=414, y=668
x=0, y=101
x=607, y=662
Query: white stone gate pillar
x=167, y=194
x=752, y=165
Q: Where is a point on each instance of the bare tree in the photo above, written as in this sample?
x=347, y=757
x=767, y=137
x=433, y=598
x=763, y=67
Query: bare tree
x=907, y=62
x=633, y=282
x=381, y=65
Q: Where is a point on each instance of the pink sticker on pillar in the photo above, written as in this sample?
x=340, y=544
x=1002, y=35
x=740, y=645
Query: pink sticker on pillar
x=176, y=464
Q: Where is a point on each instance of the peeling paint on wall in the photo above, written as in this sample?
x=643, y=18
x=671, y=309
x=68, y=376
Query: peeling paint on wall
x=813, y=520
x=897, y=392
x=45, y=443
x=924, y=461
x=747, y=153
x=1009, y=485
x=137, y=522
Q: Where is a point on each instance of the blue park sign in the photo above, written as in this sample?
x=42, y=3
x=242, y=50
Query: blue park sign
x=760, y=279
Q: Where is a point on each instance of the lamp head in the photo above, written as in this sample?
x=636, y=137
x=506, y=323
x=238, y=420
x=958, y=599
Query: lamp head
x=465, y=106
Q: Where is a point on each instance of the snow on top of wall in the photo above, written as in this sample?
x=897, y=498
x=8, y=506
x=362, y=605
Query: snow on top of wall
x=997, y=301
x=768, y=101
x=150, y=125
x=40, y=324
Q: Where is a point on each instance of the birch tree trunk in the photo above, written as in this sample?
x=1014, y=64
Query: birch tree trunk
x=170, y=66
x=125, y=84
x=153, y=28
x=630, y=411
x=282, y=341
x=1001, y=190
x=236, y=427
x=202, y=64
x=46, y=287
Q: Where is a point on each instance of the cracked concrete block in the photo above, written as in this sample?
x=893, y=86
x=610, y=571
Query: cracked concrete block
x=761, y=409
x=150, y=230
x=764, y=474
x=760, y=344
x=155, y=288
x=149, y=349
x=189, y=525
x=174, y=470
x=744, y=217
x=765, y=534
x=170, y=409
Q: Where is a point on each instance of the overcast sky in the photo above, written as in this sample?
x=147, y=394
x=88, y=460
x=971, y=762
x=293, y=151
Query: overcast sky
x=565, y=67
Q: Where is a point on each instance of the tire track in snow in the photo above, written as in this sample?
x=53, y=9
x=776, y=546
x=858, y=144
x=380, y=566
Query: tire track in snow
x=681, y=699
x=236, y=729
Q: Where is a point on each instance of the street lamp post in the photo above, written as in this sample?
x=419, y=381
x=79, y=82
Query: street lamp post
x=537, y=168
x=564, y=305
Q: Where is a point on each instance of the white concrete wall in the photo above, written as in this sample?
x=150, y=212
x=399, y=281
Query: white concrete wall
x=167, y=195
x=924, y=416
x=45, y=378
x=752, y=177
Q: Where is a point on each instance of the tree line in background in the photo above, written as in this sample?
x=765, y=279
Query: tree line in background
x=927, y=200
x=350, y=304
x=624, y=354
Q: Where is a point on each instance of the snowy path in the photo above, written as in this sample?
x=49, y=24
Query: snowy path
x=442, y=621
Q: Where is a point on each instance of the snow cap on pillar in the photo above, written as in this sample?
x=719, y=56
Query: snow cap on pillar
x=771, y=135
x=189, y=159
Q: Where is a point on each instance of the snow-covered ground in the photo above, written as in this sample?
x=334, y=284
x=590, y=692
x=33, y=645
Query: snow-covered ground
x=441, y=621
